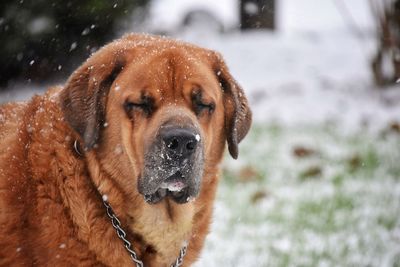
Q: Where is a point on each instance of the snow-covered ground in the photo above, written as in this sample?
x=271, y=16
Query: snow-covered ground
x=338, y=206
x=310, y=89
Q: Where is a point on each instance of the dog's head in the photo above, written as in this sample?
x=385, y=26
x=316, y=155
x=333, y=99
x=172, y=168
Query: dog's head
x=157, y=113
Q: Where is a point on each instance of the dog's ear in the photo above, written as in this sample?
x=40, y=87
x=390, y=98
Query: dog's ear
x=237, y=111
x=84, y=97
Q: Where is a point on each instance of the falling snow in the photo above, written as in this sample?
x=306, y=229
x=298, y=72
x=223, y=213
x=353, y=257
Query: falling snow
x=309, y=85
x=73, y=46
x=118, y=150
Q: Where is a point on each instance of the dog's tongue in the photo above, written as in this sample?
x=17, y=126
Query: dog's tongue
x=173, y=185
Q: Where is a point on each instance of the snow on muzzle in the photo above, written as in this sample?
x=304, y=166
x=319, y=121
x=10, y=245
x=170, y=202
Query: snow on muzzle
x=173, y=165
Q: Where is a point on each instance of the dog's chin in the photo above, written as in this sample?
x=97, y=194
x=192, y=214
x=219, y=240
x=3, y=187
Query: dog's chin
x=174, y=188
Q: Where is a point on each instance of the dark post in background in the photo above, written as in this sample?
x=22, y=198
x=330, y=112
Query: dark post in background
x=388, y=44
x=257, y=14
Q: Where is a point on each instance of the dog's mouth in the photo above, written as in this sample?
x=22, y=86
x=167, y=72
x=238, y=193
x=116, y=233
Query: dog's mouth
x=174, y=187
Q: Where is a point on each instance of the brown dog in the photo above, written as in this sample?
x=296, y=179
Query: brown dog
x=142, y=125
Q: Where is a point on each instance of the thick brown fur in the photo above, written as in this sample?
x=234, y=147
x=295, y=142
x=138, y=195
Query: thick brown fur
x=51, y=210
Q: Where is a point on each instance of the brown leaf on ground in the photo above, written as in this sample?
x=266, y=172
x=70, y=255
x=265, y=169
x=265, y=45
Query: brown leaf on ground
x=354, y=162
x=248, y=174
x=303, y=152
x=311, y=172
x=258, y=195
x=394, y=127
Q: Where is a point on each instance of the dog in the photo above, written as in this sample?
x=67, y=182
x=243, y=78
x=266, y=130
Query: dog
x=120, y=165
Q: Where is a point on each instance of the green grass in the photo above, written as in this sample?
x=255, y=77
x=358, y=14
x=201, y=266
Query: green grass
x=337, y=206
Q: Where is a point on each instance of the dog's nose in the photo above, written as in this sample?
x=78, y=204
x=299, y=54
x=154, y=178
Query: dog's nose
x=180, y=142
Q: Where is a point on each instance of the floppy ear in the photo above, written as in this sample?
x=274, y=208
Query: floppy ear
x=84, y=97
x=237, y=111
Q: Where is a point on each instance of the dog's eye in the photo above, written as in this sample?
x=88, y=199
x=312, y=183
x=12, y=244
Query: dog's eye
x=200, y=106
x=145, y=105
x=131, y=105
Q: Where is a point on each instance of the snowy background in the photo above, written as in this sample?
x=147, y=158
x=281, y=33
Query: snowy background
x=317, y=180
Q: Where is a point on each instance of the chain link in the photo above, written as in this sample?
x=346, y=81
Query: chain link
x=179, y=260
x=122, y=235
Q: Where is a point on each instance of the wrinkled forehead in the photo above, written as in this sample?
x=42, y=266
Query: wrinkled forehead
x=171, y=69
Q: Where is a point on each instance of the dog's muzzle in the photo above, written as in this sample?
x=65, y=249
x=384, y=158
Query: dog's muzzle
x=173, y=165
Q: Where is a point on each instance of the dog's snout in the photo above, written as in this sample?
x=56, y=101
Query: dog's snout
x=180, y=142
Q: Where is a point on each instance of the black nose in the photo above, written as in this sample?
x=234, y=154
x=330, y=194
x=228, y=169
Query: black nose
x=180, y=142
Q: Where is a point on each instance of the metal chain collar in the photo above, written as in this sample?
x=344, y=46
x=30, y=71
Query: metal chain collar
x=122, y=235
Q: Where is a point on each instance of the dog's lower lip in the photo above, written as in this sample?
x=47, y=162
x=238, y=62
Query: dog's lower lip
x=174, y=187
x=161, y=193
x=176, y=194
x=156, y=196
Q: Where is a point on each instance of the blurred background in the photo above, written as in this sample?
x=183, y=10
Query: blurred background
x=317, y=182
